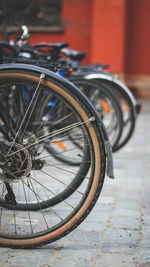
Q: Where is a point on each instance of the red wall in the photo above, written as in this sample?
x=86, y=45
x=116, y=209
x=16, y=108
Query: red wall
x=120, y=35
x=137, y=54
x=96, y=27
x=116, y=32
x=76, y=18
x=108, y=33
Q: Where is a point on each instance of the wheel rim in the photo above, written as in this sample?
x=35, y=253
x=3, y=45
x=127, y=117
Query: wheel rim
x=32, y=224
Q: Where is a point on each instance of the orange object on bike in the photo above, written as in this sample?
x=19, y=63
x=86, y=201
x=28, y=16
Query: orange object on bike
x=60, y=144
x=105, y=106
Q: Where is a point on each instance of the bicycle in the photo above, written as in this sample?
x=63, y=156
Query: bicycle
x=42, y=199
x=105, y=101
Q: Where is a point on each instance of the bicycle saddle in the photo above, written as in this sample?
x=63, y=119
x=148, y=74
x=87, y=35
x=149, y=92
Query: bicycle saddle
x=73, y=54
x=55, y=46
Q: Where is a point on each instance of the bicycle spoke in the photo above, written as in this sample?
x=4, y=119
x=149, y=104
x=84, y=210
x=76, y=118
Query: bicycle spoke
x=62, y=182
x=63, y=169
x=45, y=137
x=51, y=192
x=41, y=77
x=14, y=213
x=3, y=190
x=27, y=208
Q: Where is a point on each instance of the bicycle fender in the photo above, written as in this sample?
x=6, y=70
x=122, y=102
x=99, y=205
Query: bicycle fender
x=109, y=166
x=108, y=149
x=105, y=76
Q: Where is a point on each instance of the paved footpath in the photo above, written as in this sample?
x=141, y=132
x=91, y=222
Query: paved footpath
x=117, y=231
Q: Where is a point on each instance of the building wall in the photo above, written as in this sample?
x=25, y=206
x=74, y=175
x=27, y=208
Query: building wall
x=93, y=26
x=137, y=46
x=108, y=33
x=76, y=19
x=137, y=54
x=116, y=32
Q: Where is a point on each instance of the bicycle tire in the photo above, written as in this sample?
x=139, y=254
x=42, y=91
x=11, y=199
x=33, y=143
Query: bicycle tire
x=130, y=122
x=104, y=93
x=16, y=230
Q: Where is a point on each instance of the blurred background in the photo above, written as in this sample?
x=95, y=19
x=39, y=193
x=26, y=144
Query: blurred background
x=114, y=32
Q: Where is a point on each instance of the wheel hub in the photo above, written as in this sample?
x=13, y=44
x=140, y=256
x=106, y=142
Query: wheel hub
x=17, y=162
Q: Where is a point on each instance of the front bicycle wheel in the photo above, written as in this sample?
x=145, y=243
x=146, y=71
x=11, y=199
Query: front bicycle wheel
x=41, y=198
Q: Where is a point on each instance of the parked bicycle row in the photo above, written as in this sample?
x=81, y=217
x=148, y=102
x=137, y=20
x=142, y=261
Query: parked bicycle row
x=55, y=131
x=111, y=98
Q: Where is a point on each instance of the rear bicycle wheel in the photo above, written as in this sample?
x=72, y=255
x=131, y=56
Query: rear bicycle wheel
x=32, y=123
x=31, y=178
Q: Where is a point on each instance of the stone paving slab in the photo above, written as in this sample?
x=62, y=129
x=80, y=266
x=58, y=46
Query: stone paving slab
x=117, y=231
